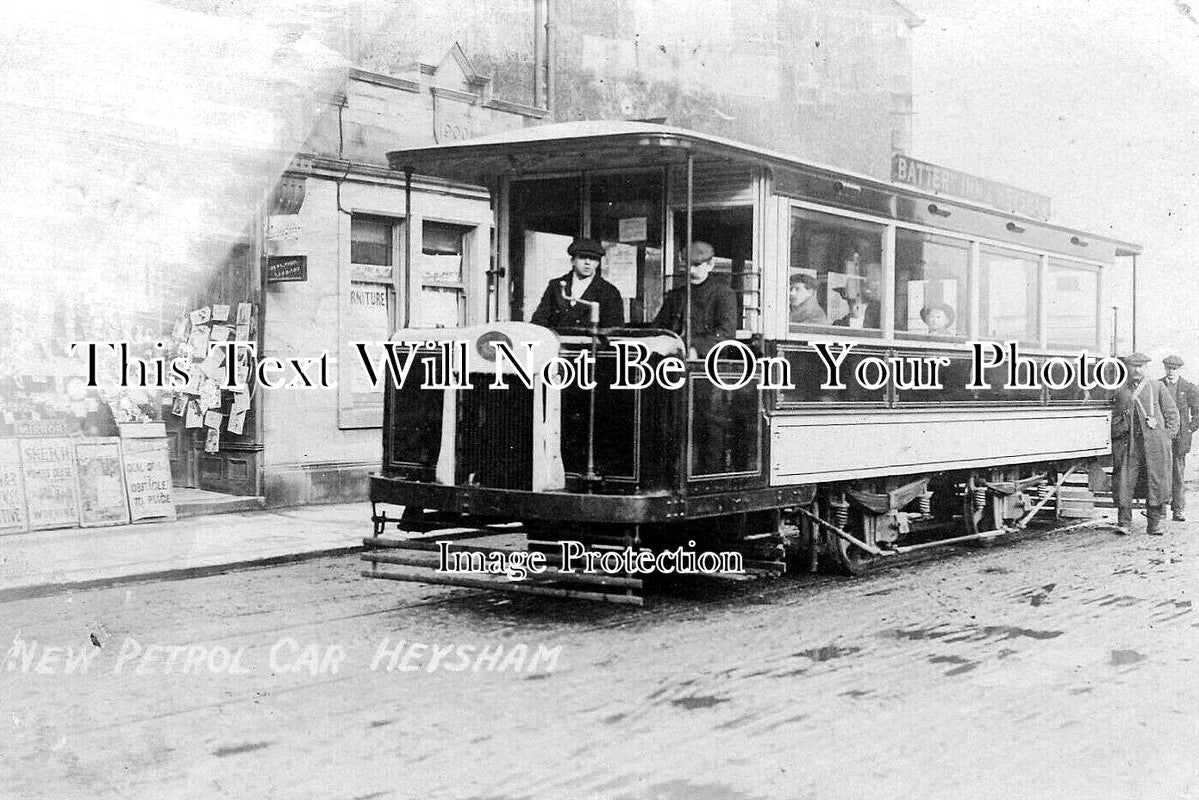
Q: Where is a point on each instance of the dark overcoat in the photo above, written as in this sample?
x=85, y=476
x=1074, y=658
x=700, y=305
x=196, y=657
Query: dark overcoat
x=1186, y=397
x=555, y=311
x=713, y=313
x=1134, y=439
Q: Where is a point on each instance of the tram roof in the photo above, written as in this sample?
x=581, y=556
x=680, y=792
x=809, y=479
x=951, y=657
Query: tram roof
x=624, y=144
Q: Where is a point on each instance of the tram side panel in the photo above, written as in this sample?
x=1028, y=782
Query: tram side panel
x=815, y=447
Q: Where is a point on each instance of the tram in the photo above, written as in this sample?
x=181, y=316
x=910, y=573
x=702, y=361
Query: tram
x=795, y=473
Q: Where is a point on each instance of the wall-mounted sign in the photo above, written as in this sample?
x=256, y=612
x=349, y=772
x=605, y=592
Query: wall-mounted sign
x=940, y=180
x=281, y=269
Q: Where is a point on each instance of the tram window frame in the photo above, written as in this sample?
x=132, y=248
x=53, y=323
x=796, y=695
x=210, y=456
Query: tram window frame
x=524, y=297
x=968, y=283
x=1033, y=293
x=877, y=292
x=725, y=267
x=1056, y=266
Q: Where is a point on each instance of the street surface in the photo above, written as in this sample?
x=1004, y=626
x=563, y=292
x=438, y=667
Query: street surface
x=1050, y=667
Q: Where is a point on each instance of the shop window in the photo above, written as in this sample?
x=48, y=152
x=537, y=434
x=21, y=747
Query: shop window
x=1007, y=305
x=372, y=240
x=730, y=231
x=931, y=288
x=836, y=272
x=1072, y=297
x=440, y=276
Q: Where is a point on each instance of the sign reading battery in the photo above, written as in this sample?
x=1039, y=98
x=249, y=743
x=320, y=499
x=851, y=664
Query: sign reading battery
x=940, y=180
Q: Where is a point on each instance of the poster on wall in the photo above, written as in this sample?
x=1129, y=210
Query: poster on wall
x=48, y=469
x=101, y=477
x=620, y=268
x=148, y=479
x=12, y=491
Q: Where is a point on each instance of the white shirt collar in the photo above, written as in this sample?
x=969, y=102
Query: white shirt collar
x=579, y=285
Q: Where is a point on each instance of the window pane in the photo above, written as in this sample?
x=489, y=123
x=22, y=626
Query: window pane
x=730, y=231
x=370, y=241
x=1007, y=303
x=441, y=253
x=836, y=269
x=1073, y=312
x=626, y=217
x=546, y=216
x=930, y=285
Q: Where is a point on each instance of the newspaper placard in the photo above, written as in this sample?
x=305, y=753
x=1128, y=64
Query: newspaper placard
x=148, y=479
x=12, y=491
x=48, y=469
x=102, y=499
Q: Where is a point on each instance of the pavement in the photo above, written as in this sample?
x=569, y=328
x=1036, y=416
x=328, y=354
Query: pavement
x=44, y=562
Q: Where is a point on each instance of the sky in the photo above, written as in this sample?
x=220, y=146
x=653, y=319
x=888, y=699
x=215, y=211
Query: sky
x=1092, y=102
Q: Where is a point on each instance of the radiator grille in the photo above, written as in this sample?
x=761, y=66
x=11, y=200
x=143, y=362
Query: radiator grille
x=495, y=438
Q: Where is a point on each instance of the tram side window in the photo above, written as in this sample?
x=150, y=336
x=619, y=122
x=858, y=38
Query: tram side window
x=836, y=272
x=930, y=285
x=1007, y=304
x=546, y=216
x=1072, y=297
x=730, y=231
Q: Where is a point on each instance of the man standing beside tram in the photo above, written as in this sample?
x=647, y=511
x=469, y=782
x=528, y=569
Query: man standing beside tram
x=1144, y=423
x=1186, y=397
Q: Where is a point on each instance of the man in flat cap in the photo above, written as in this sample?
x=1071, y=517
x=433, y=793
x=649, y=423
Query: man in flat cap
x=713, y=304
x=1144, y=423
x=1186, y=397
x=713, y=319
x=559, y=306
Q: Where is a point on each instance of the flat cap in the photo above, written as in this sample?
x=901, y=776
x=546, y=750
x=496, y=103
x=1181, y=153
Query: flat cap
x=1172, y=361
x=699, y=252
x=1137, y=358
x=585, y=248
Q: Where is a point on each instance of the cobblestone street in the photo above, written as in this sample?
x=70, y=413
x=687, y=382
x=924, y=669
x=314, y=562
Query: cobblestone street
x=1047, y=667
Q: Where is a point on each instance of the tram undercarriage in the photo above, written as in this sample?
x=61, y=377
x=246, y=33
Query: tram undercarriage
x=851, y=527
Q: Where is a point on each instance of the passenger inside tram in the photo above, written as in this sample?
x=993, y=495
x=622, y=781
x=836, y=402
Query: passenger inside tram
x=863, y=312
x=836, y=272
x=940, y=319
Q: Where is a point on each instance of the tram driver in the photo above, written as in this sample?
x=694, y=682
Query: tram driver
x=559, y=306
